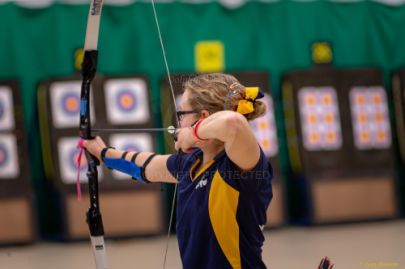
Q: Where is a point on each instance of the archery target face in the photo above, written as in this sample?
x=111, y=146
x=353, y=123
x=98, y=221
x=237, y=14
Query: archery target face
x=131, y=142
x=6, y=109
x=371, y=126
x=127, y=101
x=65, y=102
x=9, y=167
x=68, y=157
x=265, y=129
x=320, y=118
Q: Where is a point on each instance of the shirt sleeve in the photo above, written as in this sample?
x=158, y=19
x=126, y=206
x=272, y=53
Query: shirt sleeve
x=173, y=164
x=258, y=178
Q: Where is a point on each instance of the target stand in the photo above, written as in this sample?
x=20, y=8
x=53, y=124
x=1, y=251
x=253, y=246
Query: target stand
x=17, y=222
x=129, y=208
x=340, y=150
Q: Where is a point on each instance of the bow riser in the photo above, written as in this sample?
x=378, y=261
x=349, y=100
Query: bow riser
x=89, y=68
x=94, y=219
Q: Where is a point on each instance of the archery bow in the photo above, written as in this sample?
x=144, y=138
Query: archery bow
x=89, y=69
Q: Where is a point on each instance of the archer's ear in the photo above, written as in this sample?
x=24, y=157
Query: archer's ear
x=204, y=113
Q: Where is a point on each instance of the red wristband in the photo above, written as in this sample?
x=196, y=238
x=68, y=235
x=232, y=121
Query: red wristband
x=195, y=130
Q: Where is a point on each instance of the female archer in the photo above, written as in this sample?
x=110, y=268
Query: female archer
x=223, y=176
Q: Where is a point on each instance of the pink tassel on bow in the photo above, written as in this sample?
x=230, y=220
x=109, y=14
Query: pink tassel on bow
x=79, y=160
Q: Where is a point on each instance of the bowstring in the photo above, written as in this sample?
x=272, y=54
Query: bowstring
x=165, y=59
x=178, y=125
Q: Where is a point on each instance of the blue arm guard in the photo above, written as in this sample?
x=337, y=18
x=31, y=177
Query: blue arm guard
x=126, y=167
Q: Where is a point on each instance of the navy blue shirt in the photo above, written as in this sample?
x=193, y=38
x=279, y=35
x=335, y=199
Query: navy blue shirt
x=220, y=211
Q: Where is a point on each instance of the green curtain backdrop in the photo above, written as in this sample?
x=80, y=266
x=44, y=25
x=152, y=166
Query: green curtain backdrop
x=38, y=44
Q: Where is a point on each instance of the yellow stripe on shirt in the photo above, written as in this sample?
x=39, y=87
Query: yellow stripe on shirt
x=222, y=207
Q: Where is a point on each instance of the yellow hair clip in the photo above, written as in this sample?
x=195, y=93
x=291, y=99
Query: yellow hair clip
x=246, y=105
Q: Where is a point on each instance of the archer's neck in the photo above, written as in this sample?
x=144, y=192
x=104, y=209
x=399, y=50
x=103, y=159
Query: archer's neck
x=211, y=150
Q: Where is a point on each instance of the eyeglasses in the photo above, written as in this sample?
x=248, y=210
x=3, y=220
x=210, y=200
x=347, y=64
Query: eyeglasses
x=182, y=113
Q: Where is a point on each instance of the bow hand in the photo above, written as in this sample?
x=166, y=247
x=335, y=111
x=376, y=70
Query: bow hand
x=94, y=146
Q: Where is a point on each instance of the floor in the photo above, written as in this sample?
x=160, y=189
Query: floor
x=366, y=245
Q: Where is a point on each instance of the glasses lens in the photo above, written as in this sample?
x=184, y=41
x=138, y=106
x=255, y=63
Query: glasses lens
x=181, y=114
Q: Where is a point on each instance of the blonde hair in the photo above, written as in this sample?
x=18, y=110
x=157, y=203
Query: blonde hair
x=217, y=92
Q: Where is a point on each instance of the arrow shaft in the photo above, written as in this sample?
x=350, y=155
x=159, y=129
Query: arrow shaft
x=134, y=130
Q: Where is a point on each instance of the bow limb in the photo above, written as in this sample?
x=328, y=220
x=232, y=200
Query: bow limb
x=89, y=69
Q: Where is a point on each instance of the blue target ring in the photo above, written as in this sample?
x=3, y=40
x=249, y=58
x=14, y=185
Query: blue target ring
x=72, y=159
x=3, y=155
x=126, y=101
x=70, y=104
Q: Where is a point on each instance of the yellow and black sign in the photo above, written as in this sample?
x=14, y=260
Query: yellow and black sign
x=322, y=53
